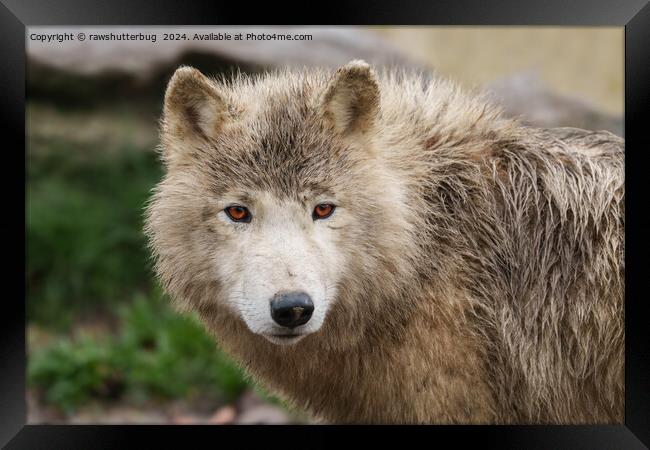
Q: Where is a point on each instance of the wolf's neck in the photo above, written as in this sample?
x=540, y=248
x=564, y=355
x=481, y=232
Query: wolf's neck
x=424, y=373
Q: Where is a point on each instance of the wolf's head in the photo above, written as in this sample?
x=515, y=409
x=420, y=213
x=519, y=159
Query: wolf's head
x=276, y=203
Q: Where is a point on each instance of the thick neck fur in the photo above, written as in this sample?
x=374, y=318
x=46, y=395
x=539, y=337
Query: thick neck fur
x=392, y=371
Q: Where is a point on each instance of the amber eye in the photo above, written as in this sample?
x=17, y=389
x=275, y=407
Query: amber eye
x=323, y=211
x=238, y=213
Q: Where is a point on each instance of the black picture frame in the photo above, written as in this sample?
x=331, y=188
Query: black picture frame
x=634, y=15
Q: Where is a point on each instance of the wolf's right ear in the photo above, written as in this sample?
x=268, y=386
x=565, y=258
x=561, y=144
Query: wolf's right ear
x=193, y=106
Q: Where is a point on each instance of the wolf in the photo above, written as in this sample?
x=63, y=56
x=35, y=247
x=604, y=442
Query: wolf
x=386, y=247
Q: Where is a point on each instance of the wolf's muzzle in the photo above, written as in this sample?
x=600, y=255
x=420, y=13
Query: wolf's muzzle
x=291, y=309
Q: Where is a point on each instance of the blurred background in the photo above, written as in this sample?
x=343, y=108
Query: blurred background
x=103, y=343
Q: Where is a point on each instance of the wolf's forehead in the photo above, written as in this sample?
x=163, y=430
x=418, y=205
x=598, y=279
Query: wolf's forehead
x=281, y=146
x=283, y=154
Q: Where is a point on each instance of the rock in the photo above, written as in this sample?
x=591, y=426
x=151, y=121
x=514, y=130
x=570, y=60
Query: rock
x=185, y=419
x=84, y=73
x=263, y=415
x=223, y=416
x=254, y=410
x=329, y=47
x=525, y=95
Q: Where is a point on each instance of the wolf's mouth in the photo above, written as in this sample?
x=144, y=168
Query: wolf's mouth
x=284, y=339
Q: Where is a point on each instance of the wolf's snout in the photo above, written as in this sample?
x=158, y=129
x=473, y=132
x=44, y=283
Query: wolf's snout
x=291, y=309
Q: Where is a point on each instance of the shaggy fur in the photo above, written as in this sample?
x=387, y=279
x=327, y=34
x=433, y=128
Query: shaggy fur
x=482, y=273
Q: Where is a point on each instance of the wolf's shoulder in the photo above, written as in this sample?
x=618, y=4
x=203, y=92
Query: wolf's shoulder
x=591, y=143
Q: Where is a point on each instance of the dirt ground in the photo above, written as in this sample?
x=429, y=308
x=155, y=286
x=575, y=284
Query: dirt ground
x=248, y=409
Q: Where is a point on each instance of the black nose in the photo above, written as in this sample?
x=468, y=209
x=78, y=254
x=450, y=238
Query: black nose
x=291, y=309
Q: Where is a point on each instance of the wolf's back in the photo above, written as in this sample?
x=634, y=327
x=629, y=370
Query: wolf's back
x=560, y=313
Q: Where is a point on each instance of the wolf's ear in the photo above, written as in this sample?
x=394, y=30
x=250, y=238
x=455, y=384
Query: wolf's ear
x=351, y=100
x=193, y=106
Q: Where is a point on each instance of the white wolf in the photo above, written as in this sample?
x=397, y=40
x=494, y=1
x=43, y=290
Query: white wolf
x=385, y=248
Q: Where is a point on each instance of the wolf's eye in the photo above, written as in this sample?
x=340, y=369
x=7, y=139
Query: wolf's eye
x=238, y=213
x=323, y=211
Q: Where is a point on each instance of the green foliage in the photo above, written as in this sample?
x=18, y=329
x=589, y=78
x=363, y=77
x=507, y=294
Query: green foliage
x=171, y=355
x=156, y=353
x=71, y=372
x=87, y=257
x=85, y=247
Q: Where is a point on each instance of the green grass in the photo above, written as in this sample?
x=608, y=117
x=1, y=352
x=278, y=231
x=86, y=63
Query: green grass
x=87, y=261
x=156, y=354
x=85, y=247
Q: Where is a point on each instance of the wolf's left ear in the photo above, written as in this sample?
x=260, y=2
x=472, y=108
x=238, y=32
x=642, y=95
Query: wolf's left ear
x=193, y=106
x=351, y=100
